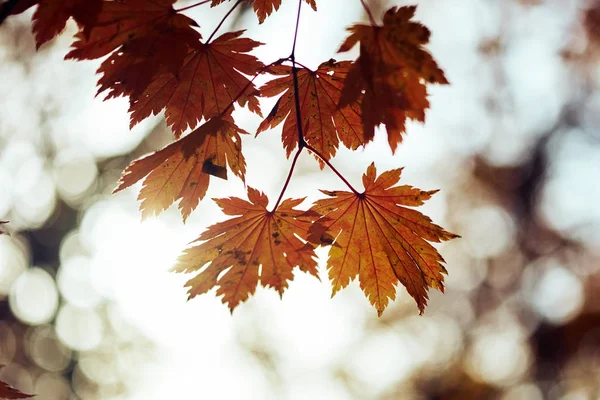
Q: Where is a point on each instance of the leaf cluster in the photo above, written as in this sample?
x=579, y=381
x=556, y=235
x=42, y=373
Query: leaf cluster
x=156, y=56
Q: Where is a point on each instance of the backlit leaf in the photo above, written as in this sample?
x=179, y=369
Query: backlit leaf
x=392, y=71
x=256, y=246
x=323, y=124
x=50, y=17
x=121, y=22
x=375, y=237
x=210, y=78
x=264, y=8
x=182, y=170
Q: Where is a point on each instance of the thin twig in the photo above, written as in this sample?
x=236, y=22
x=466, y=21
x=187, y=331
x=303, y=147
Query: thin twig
x=237, y=3
x=368, y=10
x=241, y=93
x=289, y=178
x=301, y=141
x=296, y=31
x=193, y=5
x=326, y=161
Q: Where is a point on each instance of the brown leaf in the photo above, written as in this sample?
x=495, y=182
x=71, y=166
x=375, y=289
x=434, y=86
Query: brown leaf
x=390, y=74
x=323, y=124
x=378, y=239
x=255, y=246
x=210, y=78
x=264, y=8
x=50, y=18
x=122, y=22
x=182, y=169
x=129, y=70
x=7, y=392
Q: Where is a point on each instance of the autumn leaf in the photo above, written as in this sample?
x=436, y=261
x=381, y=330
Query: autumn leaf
x=129, y=71
x=210, y=79
x=182, y=170
x=255, y=246
x=121, y=22
x=375, y=237
x=7, y=392
x=264, y=8
x=392, y=71
x=323, y=124
x=51, y=16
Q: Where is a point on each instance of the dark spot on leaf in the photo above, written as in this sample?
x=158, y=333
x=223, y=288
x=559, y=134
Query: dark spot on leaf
x=215, y=170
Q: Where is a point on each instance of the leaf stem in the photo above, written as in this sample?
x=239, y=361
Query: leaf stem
x=301, y=141
x=289, y=177
x=6, y=8
x=296, y=31
x=328, y=163
x=241, y=93
x=368, y=10
x=237, y=3
x=193, y=5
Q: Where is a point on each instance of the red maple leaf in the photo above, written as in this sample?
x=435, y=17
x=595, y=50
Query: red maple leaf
x=121, y=22
x=149, y=37
x=375, y=237
x=323, y=123
x=51, y=16
x=210, y=79
x=182, y=170
x=264, y=8
x=129, y=70
x=256, y=246
x=390, y=73
x=7, y=392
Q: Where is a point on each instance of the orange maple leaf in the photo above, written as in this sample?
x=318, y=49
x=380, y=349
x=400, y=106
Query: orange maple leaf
x=256, y=246
x=264, y=8
x=182, y=170
x=377, y=239
x=50, y=18
x=7, y=392
x=391, y=71
x=210, y=79
x=322, y=121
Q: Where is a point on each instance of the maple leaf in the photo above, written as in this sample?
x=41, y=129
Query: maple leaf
x=376, y=238
x=129, y=70
x=323, y=123
x=264, y=8
x=256, y=246
x=149, y=37
x=50, y=18
x=210, y=79
x=182, y=170
x=391, y=71
x=7, y=392
x=121, y=22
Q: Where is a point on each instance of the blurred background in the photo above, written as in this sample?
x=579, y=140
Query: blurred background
x=89, y=311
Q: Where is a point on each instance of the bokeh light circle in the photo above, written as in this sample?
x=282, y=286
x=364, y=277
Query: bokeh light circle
x=33, y=297
x=78, y=328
